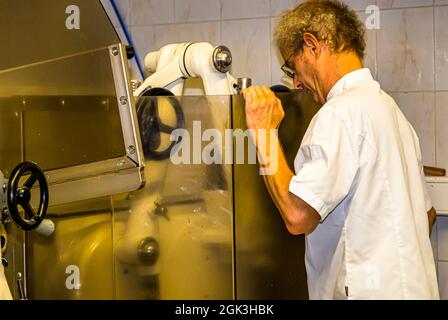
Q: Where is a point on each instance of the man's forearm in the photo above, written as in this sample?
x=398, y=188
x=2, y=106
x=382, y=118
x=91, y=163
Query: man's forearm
x=298, y=216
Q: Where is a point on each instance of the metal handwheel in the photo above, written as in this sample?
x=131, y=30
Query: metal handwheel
x=21, y=195
x=152, y=127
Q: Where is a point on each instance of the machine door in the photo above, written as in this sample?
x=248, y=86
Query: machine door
x=269, y=262
x=75, y=117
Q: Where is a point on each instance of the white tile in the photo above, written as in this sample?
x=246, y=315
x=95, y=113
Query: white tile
x=370, y=60
x=441, y=34
x=237, y=9
x=440, y=2
x=147, y=12
x=121, y=35
x=152, y=38
x=279, y=6
x=134, y=71
x=123, y=8
x=277, y=75
x=418, y=107
x=359, y=4
x=442, y=238
x=442, y=129
x=196, y=10
x=250, y=49
x=406, y=50
x=443, y=279
x=403, y=3
x=143, y=37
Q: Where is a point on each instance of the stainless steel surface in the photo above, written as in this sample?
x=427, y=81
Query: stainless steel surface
x=269, y=261
x=243, y=83
x=106, y=238
x=218, y=234
x=194, y=231
x=34, y=31
x=129, y=122
x=76, y=262
x=60, y=108
x=66, y=115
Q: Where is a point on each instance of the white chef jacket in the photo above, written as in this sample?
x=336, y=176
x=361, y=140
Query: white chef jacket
x=359, y=166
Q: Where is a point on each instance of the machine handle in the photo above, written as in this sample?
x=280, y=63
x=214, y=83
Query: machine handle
x=16, y=195
x=130, y=52
x=20, y=289
x=46, y=228
x=432, y=171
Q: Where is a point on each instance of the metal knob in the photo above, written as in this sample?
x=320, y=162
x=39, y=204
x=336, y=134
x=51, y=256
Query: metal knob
x=148, y=251
x=222, y=59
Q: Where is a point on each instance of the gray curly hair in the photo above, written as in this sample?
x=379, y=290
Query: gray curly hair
x=329, y=21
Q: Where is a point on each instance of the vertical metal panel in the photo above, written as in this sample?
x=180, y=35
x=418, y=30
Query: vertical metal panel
x=269, y=261
x=76, y=262
x=33, y=31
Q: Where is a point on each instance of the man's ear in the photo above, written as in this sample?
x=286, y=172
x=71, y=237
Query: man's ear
x=312, y=43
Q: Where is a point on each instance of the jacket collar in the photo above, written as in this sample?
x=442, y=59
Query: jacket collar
x=348, y=80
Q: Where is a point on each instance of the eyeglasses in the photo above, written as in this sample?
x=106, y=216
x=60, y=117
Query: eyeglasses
x=288, y=71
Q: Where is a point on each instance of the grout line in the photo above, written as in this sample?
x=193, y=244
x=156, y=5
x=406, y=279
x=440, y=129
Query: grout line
x=261, y=17
x=220, y=32
x=435, y=83
x=206, y=21
x=270, y=46
x=377, y=31
x=414, y=7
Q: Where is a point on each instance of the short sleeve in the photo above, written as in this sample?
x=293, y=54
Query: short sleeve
x=326, y=163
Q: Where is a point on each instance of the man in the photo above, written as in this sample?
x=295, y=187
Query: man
x=358, y=192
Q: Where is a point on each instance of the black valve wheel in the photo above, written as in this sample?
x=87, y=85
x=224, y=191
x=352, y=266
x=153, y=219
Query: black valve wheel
x=21, y=195
x=152, y=127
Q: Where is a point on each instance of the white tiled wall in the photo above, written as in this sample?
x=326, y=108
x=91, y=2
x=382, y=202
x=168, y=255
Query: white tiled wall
x=408, y=55
x=419, y=109
x=442, y=255
x=251, y=46
x=406, y=58
x=442, y=128
x=441, y=48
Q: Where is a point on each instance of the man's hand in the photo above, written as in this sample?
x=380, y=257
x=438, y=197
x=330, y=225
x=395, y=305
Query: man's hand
x=263, y=109
x=432, y=215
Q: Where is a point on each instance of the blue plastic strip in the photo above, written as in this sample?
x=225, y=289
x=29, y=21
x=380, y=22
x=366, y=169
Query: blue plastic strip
x=127, y=35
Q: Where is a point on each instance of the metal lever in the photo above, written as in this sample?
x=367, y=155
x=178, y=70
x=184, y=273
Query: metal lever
x=22, y=295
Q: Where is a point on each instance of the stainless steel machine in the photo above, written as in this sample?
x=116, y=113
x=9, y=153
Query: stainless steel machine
x=129, y=222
